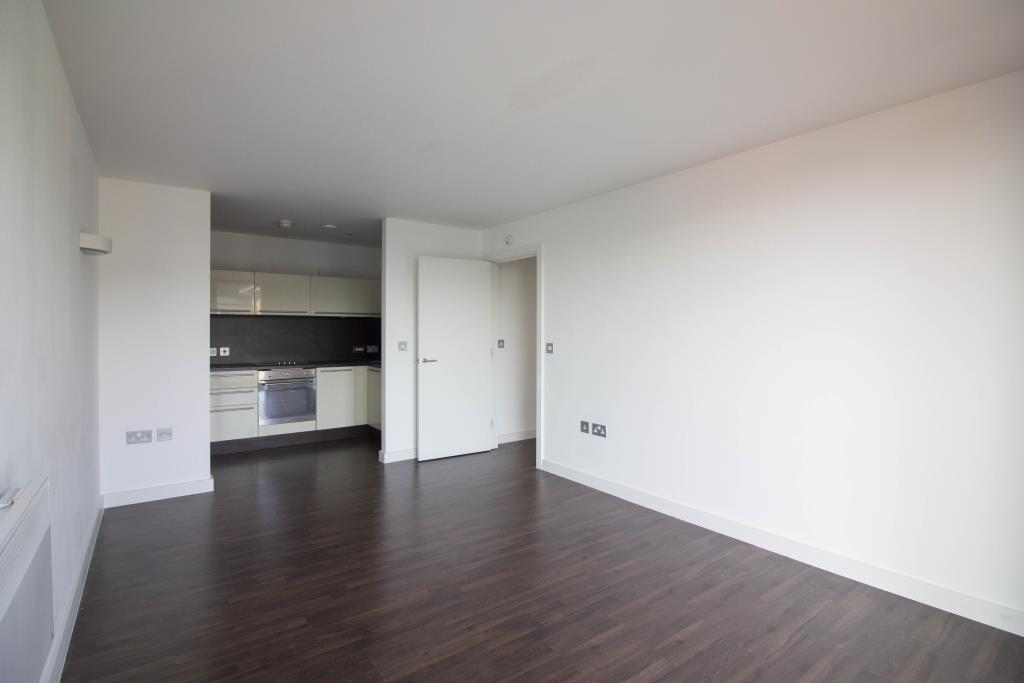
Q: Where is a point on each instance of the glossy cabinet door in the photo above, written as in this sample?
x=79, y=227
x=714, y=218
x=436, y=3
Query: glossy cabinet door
x=373, y=408
x=232, y=292
x=278, y=294
x=233, y=422
x=361, y=395
x=344, y=296
x=335, y=397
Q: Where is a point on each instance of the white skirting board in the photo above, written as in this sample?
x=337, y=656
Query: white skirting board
x=62, y=631
x=517, y=436
x=185, y=488
x=999, y=616
x=396, y=456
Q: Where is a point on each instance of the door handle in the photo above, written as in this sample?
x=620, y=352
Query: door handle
x=428, y=360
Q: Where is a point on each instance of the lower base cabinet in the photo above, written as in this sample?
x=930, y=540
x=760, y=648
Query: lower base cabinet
x=346, y=397
x=373, y=397
x=234, y=399
x=335, y=397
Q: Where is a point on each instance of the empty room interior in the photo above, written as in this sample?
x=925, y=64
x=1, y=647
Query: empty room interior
x=525, y=341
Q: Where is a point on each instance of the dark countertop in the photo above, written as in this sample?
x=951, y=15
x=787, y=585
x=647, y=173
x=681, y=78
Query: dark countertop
x=310, y=364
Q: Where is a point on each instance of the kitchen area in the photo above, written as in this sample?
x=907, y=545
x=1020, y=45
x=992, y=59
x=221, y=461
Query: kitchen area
x=294, y=359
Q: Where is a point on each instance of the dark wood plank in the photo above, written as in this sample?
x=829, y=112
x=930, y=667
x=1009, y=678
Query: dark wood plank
x=318, y=563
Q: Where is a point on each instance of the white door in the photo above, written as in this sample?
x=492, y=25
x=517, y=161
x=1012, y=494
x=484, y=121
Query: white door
x=455, y=381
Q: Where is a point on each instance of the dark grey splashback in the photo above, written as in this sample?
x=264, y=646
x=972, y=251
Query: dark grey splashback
x=272, y=339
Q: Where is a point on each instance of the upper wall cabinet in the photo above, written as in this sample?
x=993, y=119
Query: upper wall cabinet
x=232, y=292
x=344, y=296
x=278, y=294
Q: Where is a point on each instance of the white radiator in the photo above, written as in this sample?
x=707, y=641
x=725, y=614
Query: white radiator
x=26, y=585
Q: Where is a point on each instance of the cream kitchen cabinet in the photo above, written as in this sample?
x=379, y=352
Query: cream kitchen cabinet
x=344, y=296
x=234, y=402
x=232, y=292
x=373, y=416
x=278, y=294
x=335, y=397
x=361, y=395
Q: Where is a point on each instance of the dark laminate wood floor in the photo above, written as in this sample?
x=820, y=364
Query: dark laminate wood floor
x=319, y=563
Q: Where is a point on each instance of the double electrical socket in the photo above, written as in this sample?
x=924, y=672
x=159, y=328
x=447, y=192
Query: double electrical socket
x=138, y=436
x=595, y=428
x=146, y=435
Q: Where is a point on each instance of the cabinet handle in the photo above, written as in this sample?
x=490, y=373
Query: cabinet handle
x=228, y=410
x=338, y=370
x=222, y=392
x=271, y=310
x=230, y=310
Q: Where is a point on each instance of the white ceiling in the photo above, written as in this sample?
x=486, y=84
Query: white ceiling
x=473, y=112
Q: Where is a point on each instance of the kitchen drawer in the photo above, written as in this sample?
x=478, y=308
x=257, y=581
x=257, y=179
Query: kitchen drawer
x=235, y=422
x=233, y=379
x=222, y=398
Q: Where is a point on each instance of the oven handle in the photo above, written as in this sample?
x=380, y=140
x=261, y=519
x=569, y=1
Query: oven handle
x=277, y=382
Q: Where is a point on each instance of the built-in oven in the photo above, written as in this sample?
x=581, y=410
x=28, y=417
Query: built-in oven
x=287, y=395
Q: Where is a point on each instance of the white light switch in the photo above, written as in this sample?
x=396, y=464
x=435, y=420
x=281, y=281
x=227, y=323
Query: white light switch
x=213, y=351
x=225, y=350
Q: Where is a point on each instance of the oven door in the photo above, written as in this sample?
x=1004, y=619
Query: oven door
x=292, y=400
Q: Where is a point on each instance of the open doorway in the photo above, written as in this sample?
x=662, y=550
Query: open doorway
x=515, y=357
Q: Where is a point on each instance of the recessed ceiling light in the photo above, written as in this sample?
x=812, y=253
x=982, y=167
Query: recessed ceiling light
x=329, y=226
x=283, y=223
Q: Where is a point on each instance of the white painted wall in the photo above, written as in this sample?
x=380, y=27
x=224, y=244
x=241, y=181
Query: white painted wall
x=153, y=334
x=816, y=345
x=516, y=363
x=404, y=242
x=235, y=251
x=48, y=294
